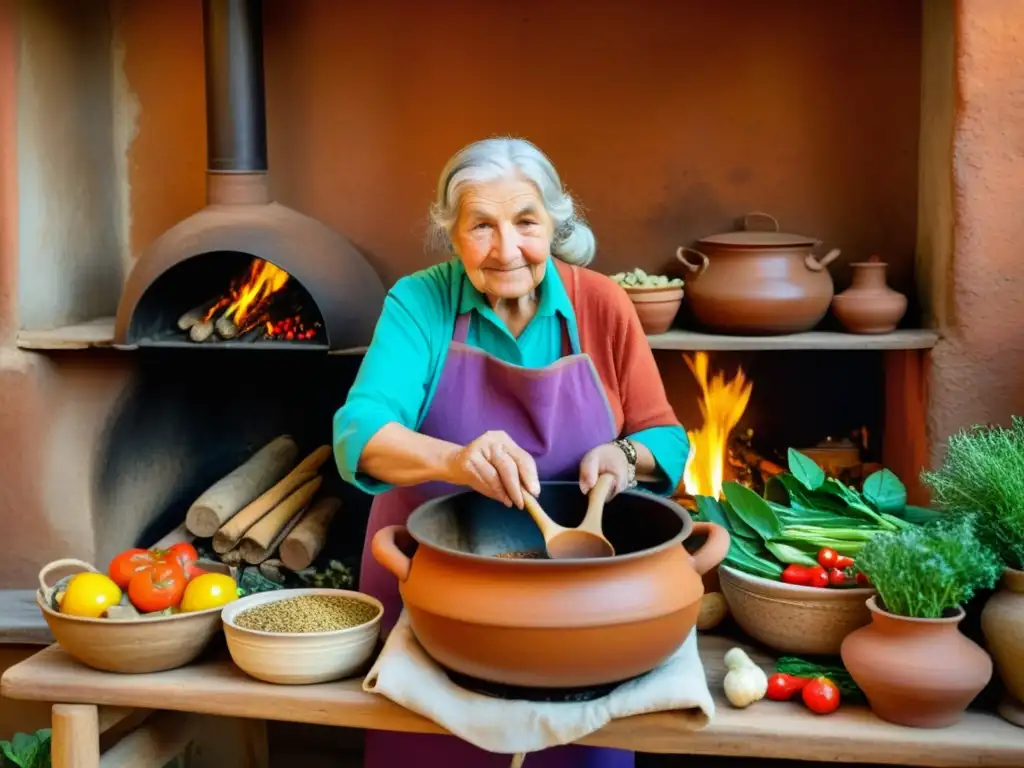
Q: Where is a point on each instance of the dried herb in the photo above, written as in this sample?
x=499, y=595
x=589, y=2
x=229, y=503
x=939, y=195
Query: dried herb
x=929, y=571
x=983, y=475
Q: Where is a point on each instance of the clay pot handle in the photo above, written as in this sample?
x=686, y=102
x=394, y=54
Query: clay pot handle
x=384, y=547
x=699, y=267
x=817, y=265
x=760, y=214
x=713, y=550
x=67, y=562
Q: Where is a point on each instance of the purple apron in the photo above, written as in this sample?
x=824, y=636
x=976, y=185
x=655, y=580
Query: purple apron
x=553, y=413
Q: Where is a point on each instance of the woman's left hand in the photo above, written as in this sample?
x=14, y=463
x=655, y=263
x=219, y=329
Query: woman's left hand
x=605, y=459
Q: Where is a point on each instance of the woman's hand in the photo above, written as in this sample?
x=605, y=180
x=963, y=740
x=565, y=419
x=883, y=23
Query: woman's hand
x=496, y=467
x=606, y=458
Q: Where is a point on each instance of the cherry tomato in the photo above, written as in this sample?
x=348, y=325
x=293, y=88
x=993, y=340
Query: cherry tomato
x=795, y=574
x=817, y=577
x=782, y=687
x=843, y=562
x=128, y=563
x=827, y=557
x=185, y=555
x=862, y=579
x=836, y=577
x=821, y=695
x=158, y=587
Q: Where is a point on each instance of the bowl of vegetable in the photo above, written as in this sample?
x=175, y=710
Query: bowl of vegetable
x=656, y=297
x=154, y=610
x=302, y=636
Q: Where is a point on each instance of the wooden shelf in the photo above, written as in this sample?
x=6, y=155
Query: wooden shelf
x=21, y=621
x=780, y=730
x=100, y=333
x=812, y=340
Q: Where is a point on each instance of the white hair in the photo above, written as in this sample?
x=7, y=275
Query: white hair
x=483, y=161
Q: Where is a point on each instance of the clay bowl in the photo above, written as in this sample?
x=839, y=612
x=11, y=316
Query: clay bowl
x=549, y=623
x=300, y=658
x=792, y=619
x=656, y=307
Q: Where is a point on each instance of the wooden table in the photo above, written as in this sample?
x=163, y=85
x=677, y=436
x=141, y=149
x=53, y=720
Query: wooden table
x=92, y=701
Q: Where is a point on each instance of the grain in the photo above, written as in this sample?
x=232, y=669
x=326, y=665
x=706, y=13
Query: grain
x=307, y=613
x=522, y=555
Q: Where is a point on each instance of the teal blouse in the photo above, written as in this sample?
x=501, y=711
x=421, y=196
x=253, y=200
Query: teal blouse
x=400, y=371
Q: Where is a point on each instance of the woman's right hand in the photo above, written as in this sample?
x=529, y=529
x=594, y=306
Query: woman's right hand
x=496, y=467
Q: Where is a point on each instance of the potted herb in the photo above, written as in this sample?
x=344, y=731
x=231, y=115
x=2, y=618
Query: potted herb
x=912, y=662
x=983, y=475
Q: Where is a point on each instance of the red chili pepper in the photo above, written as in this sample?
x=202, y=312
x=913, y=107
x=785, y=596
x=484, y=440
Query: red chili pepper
x=795, y=574
x=821, y=695
x=782, y=687
x=836, y=577
x=843, y=562
x=817, y=577
x=827, y=557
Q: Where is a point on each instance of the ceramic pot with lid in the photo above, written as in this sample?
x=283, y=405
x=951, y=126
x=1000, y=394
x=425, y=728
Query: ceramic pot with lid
x=549, y=623
x=758, y=281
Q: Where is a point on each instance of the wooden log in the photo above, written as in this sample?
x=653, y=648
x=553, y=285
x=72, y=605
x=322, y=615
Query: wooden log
x=222, y=501
x=304, y=543
x=232, y=558
x=225, y=327
x=201, y=331
x=197, y=314
x=260, y=541
x=755, y=460
x=229, y=534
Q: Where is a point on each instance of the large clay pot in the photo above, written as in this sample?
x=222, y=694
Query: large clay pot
x=758, y=282
x=1002, y=621
x=918, y=672
x=549, y=623
x=869, y=305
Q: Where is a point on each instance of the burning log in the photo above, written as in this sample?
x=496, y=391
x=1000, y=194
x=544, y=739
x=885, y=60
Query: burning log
x=225, y=327
x=222, y=501
x=201, y=331
x=302, y=545
x=228, y=535
x=262, y=539
x=754, y=460
x=198, y=314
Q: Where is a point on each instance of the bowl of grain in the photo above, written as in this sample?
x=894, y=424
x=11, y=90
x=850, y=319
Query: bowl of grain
x=302, y=636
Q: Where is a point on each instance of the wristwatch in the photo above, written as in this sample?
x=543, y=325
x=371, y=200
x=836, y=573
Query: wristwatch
x=627, y=448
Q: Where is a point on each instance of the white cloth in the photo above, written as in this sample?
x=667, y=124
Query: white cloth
x=405, y=674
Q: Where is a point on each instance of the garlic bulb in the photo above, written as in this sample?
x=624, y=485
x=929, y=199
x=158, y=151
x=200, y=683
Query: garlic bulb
x=745, y=682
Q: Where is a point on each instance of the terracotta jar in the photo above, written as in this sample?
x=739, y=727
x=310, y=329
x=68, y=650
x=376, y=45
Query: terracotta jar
x=1002, y=621
x=549, y=623
x=656, y=307
x=758, y=281
x=869, y=305
x=917, y=672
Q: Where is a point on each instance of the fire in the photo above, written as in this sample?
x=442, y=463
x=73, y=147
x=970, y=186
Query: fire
x=722, y=404
x=251, y=295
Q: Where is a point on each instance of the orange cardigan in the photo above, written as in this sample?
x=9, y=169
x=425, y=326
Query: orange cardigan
x=611, y=334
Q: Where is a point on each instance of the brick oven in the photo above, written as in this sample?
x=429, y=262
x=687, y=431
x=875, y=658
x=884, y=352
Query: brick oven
x=165, y=163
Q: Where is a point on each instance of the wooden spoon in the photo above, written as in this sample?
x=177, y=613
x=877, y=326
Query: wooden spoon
x=585, y=541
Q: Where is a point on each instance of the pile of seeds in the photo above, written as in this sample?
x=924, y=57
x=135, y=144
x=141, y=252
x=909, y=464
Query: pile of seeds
x=307, y=613
x=522, y=555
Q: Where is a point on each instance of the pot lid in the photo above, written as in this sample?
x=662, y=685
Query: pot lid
x=759, y=230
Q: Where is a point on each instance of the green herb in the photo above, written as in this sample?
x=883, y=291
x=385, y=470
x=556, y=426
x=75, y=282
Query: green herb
x=806, y=470
x=27, y=750
x=983, y=473
x=927, y=572
x=837, y=673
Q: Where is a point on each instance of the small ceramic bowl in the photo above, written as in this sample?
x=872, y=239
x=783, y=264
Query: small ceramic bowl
x=792, y=619
x=300, y=658
x=656, y=307
x=134, y=646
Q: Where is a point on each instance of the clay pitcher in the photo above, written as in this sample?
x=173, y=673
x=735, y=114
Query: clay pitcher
x=1002, y=621
x=869, y=305
x=917, y=672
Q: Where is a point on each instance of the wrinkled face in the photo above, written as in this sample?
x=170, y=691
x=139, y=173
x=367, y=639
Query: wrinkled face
x=503, y=236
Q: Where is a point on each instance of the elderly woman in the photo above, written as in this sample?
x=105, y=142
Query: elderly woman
x=507, y=365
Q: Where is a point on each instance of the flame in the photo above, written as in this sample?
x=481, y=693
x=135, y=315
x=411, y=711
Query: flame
x=722, y=404
x=248, y=298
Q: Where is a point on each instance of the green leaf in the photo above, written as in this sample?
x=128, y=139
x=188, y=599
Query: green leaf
x=737, y=526
x=744, y=558
x=752, y=509
x=920, y=515
x=789, y=554
x=805, y=470
x=709, y=510
x=884, y=491
x=7, y=750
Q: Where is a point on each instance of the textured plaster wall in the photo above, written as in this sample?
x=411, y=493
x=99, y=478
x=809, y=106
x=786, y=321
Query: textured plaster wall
x=977, y=371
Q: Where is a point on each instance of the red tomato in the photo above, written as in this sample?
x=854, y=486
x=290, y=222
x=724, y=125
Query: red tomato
x=836, y=577
x=128, y=563
x=817, y=577
x=782, y=687
x=843, y=562
x=827, y=557
x=795, y=574
x=821, y=695
x=158, y=587
x=863, y=579
x=185, y=554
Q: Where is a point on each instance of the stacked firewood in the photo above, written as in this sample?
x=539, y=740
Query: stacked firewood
x=267, y=510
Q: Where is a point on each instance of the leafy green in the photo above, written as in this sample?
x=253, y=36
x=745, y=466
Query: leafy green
x=929, y=571
x=806, y=470
x=884, y=491
x=837, y=673
x=27, y=750
x=786, y=553
x=983, y=474
x=751, y=509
